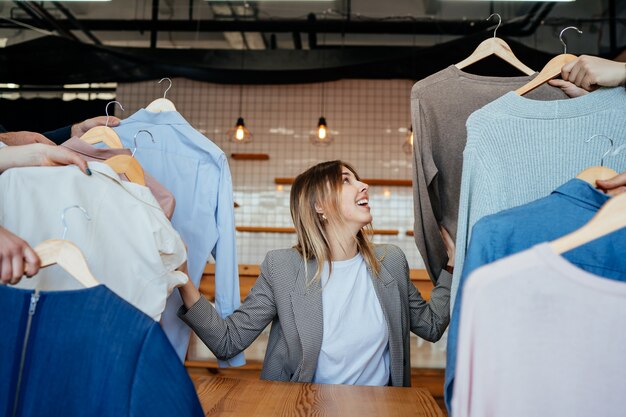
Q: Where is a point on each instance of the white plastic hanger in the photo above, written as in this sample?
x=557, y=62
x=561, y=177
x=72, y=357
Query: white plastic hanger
x=552, y=69
x=162, y=104
x=67, y=255
x=128, y=165
x=495, y=46
x=592, y=174
x=104, y=133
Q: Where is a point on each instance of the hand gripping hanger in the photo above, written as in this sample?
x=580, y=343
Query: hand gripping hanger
x=104, y=133
x=552, y=69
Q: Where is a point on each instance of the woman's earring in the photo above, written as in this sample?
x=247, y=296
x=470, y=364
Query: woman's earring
x=324, y=217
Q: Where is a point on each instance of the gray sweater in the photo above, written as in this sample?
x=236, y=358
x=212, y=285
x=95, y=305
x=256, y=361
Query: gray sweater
x=440, y=106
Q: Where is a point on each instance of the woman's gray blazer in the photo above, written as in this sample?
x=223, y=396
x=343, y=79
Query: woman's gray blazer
x=281, y=296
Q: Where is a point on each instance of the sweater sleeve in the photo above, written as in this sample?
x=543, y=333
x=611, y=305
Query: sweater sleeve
x=60, y=135
x=479, y=197
x=426, y=226
x=227, y=337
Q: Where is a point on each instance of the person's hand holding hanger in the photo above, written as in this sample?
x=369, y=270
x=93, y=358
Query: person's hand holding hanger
x=587, y=73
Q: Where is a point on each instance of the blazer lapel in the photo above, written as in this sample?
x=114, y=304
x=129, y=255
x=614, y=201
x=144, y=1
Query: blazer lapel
x=388, y=294
x=307, y=309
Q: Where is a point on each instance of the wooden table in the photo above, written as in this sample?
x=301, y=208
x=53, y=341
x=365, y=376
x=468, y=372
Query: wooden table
x=232, y=397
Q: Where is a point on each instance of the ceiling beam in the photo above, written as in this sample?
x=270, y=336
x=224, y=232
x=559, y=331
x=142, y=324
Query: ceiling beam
x=425, y=27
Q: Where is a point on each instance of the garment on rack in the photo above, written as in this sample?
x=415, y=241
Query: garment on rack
x=440, y=106
x=130, y=245
x=541, y=337
x=494, y=237
x=197, y=173
x=90, y=153
x=87, y=352
x=519, y=150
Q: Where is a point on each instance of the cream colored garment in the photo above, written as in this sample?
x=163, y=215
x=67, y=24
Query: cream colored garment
x=129, y=244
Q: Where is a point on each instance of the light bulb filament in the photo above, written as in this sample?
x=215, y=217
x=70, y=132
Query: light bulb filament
x=321, y=132
x=239, y=135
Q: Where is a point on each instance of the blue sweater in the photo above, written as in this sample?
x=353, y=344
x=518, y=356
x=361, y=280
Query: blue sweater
x=494, y=237
x=519, y=150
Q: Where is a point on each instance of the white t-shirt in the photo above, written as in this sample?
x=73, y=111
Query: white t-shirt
x=355, y=344
x=540, y=337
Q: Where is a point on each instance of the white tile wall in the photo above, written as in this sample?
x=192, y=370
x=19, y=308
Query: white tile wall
x=368, y=119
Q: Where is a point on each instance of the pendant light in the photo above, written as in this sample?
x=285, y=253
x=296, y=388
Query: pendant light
x=239, y=133
x=322, y=136
x=407, y=146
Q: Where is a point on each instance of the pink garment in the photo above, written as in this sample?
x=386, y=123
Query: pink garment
x=163, y=195
x=541, y=337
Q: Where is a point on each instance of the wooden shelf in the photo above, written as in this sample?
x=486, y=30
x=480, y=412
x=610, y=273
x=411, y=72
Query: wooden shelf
x=410, y=233
x=250, y=156
x=368, y=181
x=265, y=229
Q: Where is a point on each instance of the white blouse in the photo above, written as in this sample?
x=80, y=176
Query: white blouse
x=355, y=344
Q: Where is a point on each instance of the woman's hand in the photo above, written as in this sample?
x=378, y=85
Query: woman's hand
x=449, y=242
x=39, y=154
x=587, y=73
x=24, y=138
x=188, y=292
x=16, y=258
x=613, y=186
x=81, y=128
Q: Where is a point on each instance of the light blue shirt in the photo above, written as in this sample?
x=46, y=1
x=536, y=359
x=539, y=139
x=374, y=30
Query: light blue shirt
x=196, y=171
x=355, y=342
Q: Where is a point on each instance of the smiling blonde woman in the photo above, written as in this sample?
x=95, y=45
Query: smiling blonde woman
x=341, y=307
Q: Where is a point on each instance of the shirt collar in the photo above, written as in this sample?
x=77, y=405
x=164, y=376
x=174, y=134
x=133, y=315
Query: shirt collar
x=160, y=118
x=582, y=194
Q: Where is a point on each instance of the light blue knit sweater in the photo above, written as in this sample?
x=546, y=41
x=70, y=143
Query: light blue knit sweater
x=519, y=150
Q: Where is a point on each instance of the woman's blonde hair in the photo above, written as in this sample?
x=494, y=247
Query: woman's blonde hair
x=321, y=185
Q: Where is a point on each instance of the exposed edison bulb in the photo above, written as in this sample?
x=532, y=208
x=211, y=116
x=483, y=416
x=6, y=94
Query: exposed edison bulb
x=321, y=136
x=321, y=132
x=239, y=133
x=407, y=146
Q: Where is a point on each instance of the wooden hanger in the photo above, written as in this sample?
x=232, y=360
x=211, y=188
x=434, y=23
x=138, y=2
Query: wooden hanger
x=593, y=174
x=67, y=255
x=610, y=218
x=495, y=46
x=129, y=166
x=162, y=104
x=104, y=133
x=552, y=69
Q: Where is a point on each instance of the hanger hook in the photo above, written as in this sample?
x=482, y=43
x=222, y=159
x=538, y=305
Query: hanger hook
x=561, y=36
x=106, y=110
x=168, y=88
x=63, y=217
x=135, y=139
x=607, y=152
x=499, y=22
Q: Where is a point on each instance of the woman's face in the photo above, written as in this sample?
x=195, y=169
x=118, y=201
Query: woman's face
x=355, y=207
